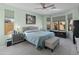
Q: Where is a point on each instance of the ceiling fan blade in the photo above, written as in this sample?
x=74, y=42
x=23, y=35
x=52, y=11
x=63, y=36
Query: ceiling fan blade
x=52, y=5
x=43, y=5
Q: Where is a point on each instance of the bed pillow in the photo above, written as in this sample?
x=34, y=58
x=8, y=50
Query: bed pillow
x=31, y=31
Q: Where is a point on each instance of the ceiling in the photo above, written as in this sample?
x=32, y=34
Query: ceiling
x=60, y=7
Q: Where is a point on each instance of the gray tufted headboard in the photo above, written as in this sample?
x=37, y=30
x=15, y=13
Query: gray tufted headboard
x=29, y=28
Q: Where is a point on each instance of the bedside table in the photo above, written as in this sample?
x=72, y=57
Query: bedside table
x=18, y=37
x=9, y=42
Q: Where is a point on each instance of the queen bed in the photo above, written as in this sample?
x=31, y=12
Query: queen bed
x=37, y=37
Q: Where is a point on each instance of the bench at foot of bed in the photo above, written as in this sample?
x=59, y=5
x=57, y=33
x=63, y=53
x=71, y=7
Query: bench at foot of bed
x=52, y=43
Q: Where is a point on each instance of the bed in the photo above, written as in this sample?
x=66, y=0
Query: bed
x=37, y=37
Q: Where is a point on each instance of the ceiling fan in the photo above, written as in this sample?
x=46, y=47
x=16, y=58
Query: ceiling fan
x=46, y=6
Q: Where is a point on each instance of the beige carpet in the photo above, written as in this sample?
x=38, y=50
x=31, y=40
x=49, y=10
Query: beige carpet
x=66, y=48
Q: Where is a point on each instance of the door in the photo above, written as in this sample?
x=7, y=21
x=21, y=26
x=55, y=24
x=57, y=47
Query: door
x=75, y=30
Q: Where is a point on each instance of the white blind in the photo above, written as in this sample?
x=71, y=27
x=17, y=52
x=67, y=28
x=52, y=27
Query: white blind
x=9, y=13
x=59, y=18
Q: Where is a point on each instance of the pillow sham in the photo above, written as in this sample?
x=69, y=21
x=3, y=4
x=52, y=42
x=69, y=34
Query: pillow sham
x=31, y=31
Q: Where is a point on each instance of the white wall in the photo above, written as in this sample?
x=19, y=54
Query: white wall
x=1, y=27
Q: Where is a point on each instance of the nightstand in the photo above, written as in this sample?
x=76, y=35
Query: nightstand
x=18, y=37
x=9, y=42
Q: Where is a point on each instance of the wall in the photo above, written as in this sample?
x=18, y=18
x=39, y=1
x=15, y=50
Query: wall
x=19, y=18
x=45, y=22
x=1, y=27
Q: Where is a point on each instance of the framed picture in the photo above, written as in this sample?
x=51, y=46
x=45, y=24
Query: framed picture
x=30, y=19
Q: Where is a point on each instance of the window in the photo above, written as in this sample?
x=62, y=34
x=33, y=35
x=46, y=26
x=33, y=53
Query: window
x=62, y=25
x=56, y=25
x=9, y=21
x=59, y=23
